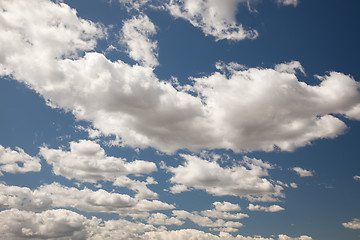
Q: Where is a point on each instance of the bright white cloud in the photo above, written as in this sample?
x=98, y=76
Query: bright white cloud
x=354, y=224
x=214, y=17
x=293, y=185
x=52, y=224
x=303, y=172
x=247, y=180
x=135, y=35
x=357, y=178
x=222, y=209
x=303, y=237
x=17, y=161
x=132, y=103
x=272, y=208
x=162, y=219
x=87, y=161
x=288, y=2
x=56, y=195
x=200, y=235
x=143, y=192
x=205, y=221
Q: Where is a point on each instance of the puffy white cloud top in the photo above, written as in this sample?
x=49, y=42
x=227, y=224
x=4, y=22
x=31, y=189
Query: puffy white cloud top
x=17, y=161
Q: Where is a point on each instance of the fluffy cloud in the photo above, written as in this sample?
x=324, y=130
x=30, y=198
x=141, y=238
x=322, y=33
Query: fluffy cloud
x=52, y=224
x=288, y=2
x=357, y=178
x=162, y=219
x=64, y=224
x=213, y=17
x=247, y=180
x=272, y=208
x=56, y=195
x=284, y=237
x=87, y=161
x=135, y=34
x=303, y=172
x=205, y=221
x=132, y=103
x=17, y=161
x=354, y=224
x=222, y=209
x=199, y=235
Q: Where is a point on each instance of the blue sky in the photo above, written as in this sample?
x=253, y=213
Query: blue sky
x=179, y=119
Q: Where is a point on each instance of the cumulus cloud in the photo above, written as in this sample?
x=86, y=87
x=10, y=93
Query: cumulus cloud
x=64, y=224
x=247, y=180
x=87, y=161
x=200, y=235
x=52, y=224
x=288, y=2
x=303, y=172
x=272, y=208
x=135, y=35
x=17, y=161
x=354, y=224
x=214, y=17
x=293, y=185
x=205, y=221
x=222, y=209
x=56, y=195
x=357, y=178
x=133, y=104
x=162, y=219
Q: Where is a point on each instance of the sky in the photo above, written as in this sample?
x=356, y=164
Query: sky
x=179, y=119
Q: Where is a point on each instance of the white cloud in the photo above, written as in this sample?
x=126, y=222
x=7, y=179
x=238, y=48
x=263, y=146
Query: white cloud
x=56, y=195
x=143, y=192
x=52, y=224
x=354, y=224
x=205, y=221
x=288, y=2
x=293, y=185
x=133, y=4
x=247, y=180
x=17, y=161
x=178, y=188
x=200, y=235
x=303, y=172
x=214, y=17
x=290, y=67
x=87, y=161
x=136, y=34
x=222, y=209
x=132, y=103
x=357, y=178
x=118, y=229
x=272, y=208
x=303, y=237
x=162, y=219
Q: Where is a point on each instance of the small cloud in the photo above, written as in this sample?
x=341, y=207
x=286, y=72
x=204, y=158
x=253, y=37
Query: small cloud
x=272, y=208
x=357, y=178
x=354, y=224
x=288, y=2
x=303, y=172
x=293, y=185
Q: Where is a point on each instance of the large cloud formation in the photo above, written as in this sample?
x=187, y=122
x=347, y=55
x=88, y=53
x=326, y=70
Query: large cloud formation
x=270, y=108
